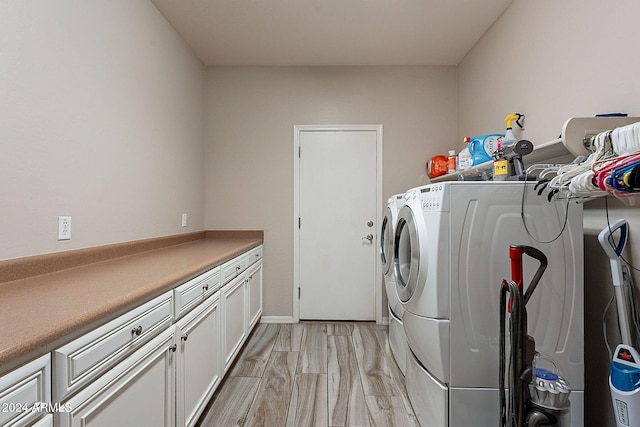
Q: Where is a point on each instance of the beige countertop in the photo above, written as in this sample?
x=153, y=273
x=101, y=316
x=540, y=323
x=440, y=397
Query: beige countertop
x=37, y=311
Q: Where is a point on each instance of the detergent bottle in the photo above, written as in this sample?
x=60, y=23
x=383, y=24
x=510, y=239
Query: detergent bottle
x=482, y=147
x=452, y=162
x=465, y=161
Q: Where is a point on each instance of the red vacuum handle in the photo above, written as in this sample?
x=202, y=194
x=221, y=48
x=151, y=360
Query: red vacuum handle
x=515, y=253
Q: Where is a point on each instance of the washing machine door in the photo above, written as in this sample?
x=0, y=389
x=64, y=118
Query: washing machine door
x=406, y=253
x=386, y=242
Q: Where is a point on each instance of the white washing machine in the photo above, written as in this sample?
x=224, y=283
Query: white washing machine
x=397, y=336
x=451, y=253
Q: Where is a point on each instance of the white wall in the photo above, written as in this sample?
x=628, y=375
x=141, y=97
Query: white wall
x=249, y=137
x=101, y=118
x=553, y=60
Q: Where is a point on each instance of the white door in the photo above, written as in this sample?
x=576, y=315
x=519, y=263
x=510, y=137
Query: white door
x=338, y=204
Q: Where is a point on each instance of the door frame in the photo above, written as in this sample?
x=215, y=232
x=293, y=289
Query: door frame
x=297, y=130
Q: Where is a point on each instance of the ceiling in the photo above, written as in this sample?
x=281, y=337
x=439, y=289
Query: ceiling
x=331, y=32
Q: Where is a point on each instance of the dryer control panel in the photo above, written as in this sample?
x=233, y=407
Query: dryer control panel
x=432, y=197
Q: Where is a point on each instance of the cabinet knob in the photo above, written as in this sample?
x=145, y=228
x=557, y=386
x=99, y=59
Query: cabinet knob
x=205, y=287
x=137, y=331
x=173, y=348
x=184, y=336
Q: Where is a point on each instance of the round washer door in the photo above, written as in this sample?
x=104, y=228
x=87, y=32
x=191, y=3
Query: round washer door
x=406, y=254
x=386, y=242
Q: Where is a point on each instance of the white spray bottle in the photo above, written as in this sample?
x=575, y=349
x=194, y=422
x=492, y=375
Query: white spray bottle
x=509, y=138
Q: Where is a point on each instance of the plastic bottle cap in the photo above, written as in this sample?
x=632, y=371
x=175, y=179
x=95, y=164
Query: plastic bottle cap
x=467, y=139
x=452, y=152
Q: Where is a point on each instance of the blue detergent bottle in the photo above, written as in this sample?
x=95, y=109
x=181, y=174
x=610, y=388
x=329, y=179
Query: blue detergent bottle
x=482, y=147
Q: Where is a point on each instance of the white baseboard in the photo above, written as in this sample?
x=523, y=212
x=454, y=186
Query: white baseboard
x=289, y=319
x=276, y=319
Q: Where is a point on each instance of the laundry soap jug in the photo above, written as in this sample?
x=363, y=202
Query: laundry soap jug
x=437, y=166
x=482, y=147
x=465, y=161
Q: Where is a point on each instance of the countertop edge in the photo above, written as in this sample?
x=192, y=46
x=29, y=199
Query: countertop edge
x=40, y=343
x=25, y=267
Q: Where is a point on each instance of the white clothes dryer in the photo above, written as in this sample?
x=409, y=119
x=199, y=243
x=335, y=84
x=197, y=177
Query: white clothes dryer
x=397, y=336
x=451, y=253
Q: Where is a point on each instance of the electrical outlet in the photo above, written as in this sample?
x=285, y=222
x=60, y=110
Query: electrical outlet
x=184, y=220
x=64, y=228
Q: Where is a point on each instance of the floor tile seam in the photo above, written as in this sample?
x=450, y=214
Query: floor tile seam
x=361, y=372
x=326, y=379
x=264, y=349
x=288, y=397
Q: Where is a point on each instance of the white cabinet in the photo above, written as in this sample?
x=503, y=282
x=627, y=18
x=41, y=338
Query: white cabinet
x=84, y=359
x=190, y=294
x=234, y=322
x=159, y=364
x=47, y=421
x=233, y=268
x=254, y=293
x=241, y=301
x=25, y=393
x=199, y=360
x=254, y=255
x=139, y=391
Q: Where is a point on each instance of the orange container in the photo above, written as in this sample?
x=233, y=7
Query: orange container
x=437, y=166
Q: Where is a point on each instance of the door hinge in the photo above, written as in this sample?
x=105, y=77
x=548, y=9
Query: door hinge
x=298, y=292
x=299, y=222
x=299, y=149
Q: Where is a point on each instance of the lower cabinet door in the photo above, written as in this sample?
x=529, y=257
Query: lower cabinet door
x=139, y=391
x=47, y=421
x=199, y=360
x=254, y=288
x=25, y=393
x=234, y=318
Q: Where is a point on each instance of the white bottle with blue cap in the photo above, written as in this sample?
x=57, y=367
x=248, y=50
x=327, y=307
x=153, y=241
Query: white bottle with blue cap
x=624, y=381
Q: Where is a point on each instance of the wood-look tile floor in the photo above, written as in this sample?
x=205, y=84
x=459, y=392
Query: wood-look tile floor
x=313, y=374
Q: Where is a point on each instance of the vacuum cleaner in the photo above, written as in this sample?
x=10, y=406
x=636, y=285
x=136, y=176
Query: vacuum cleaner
x=536, y=396
x=624, y=376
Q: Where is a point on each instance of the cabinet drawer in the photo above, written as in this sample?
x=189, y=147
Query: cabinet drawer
x=254, y=255
x=23, y=388
x=191, y=293
x=232, y=268
x=137, y=391
x=83, y=359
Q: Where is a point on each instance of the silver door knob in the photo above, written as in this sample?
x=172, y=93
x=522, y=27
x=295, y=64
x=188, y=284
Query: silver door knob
x=370, y=223
x=368, y=237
